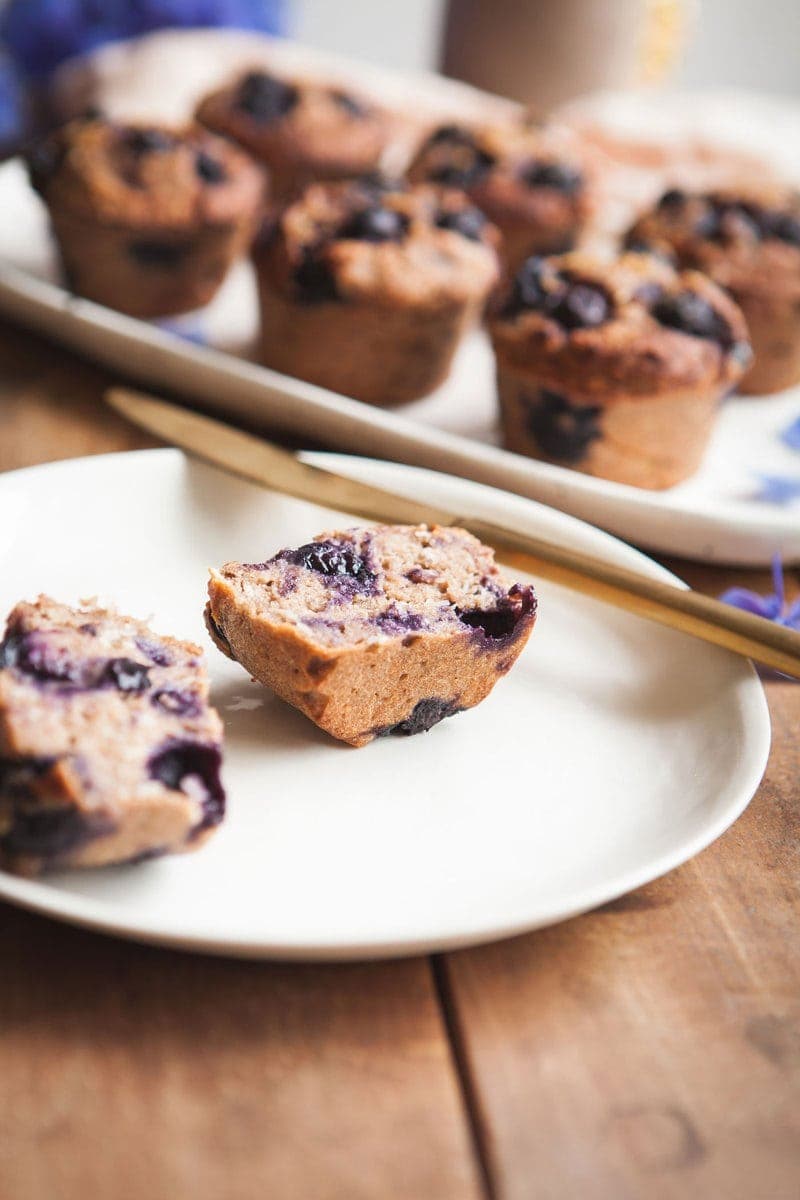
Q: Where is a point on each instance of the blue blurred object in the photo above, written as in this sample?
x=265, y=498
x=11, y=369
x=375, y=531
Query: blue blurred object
x=40, y=34
x=12, y=105
x=36, y=36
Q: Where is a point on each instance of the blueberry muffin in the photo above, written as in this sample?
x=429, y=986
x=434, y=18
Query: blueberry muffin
x=532, y=181
x=748, y=243
x=615, y=369
x=367, y=291
x=376, y=631
x=109, y=751
x=147, y=219
x=302, y=130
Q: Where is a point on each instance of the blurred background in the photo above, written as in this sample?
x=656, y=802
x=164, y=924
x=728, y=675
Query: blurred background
x=540, y=51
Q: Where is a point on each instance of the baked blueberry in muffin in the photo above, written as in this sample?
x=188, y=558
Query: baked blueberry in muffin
x=749, y=243
x=615, y=369
x=375, y=631
x=533, y=182
x=109, y=751
x=301, y=130
x=147, y=219
x=367, y=289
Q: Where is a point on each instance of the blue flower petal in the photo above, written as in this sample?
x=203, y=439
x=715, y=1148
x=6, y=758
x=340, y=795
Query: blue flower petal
x=791, y=436
x=761, y=606
x=777, y=489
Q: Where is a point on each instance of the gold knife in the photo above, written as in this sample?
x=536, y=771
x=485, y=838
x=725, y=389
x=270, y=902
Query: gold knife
x=259, y=461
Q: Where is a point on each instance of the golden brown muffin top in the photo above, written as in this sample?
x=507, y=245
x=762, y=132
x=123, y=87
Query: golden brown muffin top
x=367, y=240
x=746, y=240
x=634, y=325
x=300, y=126
x=145, y=175
x=518, y=171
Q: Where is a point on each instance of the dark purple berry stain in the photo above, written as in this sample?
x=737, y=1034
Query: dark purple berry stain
x=50, y=833
x=39, y=656
x=178, y=702
x=424, y=715
x=350, y=104
x=505, y=620
x=558, y=176
x=154, y=650
x=313, y=280
x=469, y=222
x=209, y=169
x=395, y=621
x=562, y=430
x=375, y=224
x=158, y=255
x=215, y=629
x=336, y=561
x=18, y=775
x=127, y=675
x=182, y=766
x=265, y=98
x=691, y=314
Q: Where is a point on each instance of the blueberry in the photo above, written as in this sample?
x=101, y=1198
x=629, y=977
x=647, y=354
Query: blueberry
x=332, y=559
x=558, y=176
x=691, y=314
x=466, y=170
x=562, y=430
x=148, y=141
x=528, y=290
x=726, y=218
x=179, y=765
x=469, y=222
x=349, y=104
x=674, y=198
x=209, y=169
x=375, y=224
x=582, y=306
x=178, y=702
x=451, y=135
x=160, y=255
x=499, y=623
x=264, y=97
x=314, y=281
x=127, y=675
x=424, y=715
x=783, y=226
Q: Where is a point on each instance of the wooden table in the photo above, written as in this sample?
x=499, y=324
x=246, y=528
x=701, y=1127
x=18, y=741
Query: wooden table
x=649, y=1049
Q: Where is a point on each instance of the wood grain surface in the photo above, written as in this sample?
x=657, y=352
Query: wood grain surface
x=649, y=1050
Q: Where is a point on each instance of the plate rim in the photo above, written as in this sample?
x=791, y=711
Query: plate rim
x=69, y=908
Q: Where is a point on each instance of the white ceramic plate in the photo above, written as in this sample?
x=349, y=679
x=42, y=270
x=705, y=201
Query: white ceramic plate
x=612, y=752
x=743, y=506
